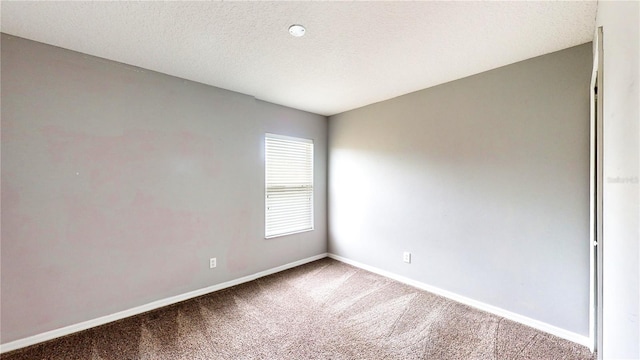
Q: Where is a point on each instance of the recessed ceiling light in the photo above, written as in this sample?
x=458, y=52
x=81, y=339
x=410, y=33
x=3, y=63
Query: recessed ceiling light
x=297, y=30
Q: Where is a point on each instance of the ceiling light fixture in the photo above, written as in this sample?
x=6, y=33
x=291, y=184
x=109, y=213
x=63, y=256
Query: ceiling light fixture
x=297, y=30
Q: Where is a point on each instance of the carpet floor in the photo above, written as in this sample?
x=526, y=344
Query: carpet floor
x=322, y=310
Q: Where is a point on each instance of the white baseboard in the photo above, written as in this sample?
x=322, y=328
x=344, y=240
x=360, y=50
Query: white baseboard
x=536, y=324
x=67, y=330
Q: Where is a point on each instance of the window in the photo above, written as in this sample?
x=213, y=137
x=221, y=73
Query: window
x=288, y=185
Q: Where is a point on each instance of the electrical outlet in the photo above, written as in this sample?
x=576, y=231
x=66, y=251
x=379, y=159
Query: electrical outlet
x=406, y=257
x=212, y=263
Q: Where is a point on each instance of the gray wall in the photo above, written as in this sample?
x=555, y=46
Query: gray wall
x=118, y=184
x=620, y=23
x=485, y=180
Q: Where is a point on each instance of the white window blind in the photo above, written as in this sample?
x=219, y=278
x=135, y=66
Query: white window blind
x=288, y=185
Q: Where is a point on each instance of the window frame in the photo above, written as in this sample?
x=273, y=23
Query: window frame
x=266, y=184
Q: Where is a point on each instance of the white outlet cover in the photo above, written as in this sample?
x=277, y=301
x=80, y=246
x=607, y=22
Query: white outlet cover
x=406, y=257
x=212, y=263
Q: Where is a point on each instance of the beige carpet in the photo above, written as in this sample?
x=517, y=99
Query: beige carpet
x=322, y=310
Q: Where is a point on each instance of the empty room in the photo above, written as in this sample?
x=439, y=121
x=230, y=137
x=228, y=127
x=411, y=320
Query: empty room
x=320, y=180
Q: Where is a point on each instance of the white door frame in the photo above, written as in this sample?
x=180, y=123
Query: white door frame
x=595, y=198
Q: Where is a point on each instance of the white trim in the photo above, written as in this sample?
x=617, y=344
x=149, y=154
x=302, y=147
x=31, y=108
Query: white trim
x=290, y=138
x=67, y=330
x=592, y=196
x=536, y=324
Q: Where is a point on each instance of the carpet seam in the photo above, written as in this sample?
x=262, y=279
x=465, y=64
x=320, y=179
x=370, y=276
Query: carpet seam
x=495, y=343
x=406, y=308
x=524, y=347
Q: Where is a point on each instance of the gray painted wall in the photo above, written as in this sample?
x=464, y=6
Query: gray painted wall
x=620, y=23
x=118, y=184
x=485, y=180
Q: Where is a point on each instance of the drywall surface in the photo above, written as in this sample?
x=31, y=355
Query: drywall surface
x=620, y=23
x=119, y=184
x=485, y=180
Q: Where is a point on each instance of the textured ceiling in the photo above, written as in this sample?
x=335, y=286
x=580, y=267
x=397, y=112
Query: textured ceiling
x=353, y=54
